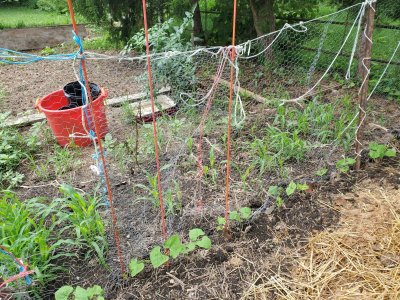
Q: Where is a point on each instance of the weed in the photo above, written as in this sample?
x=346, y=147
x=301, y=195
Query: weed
x=322, y=172
x=210, y=171
x=64, y=159
x=14, y=148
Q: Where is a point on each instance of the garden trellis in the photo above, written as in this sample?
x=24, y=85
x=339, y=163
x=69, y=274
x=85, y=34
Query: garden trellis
x=200, y=77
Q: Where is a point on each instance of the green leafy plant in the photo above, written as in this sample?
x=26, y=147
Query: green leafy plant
x=44, y=233
x=14, y=148
x=276, y=191
x=240, y=216
x=86, y=220
x=68, y=292
x=344, y=164
x=379, y=151
x=322, y=172
x=178, y=72
x=171, y=249
x=210, y=171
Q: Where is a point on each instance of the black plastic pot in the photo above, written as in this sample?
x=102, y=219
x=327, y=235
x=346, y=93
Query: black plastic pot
x=73, y=92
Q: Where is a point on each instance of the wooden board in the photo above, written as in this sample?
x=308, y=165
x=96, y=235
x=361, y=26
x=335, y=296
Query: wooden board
x=244, y=92
x=114, y=102
x=118, y=101
x=25, y=120
x=142, y=109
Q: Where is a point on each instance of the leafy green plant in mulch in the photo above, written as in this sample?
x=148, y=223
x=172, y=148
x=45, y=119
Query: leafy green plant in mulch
x=171, y=249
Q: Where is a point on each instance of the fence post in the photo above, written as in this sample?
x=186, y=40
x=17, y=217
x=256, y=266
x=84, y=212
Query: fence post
x=364, y=71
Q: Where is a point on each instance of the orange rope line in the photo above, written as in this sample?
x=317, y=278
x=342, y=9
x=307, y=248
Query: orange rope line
x=110, y=198
x=228, y=151
x=162, y=211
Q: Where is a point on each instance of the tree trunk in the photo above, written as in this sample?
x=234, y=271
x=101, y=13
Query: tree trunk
x=263, y=16
x=264, y=22
x=198, y=31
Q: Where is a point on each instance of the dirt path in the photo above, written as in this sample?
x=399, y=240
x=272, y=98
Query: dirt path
x=24, y=84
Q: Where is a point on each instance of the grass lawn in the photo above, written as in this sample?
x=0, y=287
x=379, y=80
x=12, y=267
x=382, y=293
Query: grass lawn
x=19, y=17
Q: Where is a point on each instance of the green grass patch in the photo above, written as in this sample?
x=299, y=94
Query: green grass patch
x=21, y=17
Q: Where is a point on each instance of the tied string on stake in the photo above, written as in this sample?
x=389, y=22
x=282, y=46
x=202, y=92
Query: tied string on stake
x=97, y=131
x=23, y=269
x=98, y=169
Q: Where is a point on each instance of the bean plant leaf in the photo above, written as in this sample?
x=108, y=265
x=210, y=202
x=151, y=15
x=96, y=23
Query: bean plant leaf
x=291, y=188
x=279, y=202
x=204, y=243
x=64, y=292
x=157, y=258
x=135, y=267
x=322, y=172
x=190, y=247
x=95, y=290
x=302, y=187
x=245, y=213
x=273, y=190
x=390, y=152
x=174, y=245
x=195, y=233
x=80, y=293
x=234, y=215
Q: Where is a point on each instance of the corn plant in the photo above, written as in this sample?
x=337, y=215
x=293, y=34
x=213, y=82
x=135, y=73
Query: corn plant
x=86, y=220
x=42, y=233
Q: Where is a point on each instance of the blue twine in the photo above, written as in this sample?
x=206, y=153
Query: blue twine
x=92, y=133
x=20, y=268
x=9, y=57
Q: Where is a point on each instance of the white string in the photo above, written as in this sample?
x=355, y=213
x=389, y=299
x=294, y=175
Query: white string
x=359, y=16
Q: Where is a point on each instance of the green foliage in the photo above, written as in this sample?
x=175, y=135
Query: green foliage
x=42, y=233
x=210, y=172
x=157, y=258
x=344, y=164
x=239, y=217
x=173, y=196
x=14, y=148
x=276, y=191
x=67, y=292
x=322, y=172
x=377, y=151
x=172, y=248
x=178, y=72
x=135, y=266
x=59, y=6
x=86, y=220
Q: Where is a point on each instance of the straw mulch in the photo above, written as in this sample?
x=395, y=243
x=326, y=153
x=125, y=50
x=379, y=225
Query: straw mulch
x=360, y=259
